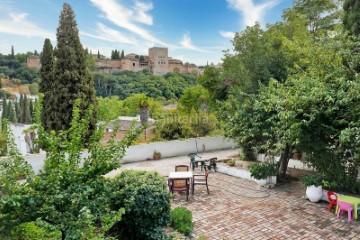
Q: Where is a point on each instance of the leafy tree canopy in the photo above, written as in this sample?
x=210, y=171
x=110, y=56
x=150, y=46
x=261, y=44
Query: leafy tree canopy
x=70, y=195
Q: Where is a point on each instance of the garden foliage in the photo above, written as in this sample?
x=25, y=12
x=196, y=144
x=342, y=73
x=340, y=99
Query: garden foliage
x=297, y=85
x=70, y=195
x=181, y=220
x=146, y=200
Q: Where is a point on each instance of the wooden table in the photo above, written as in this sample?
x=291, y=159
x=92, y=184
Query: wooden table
x=187, y=176
x=181, y=175
x=352, y=200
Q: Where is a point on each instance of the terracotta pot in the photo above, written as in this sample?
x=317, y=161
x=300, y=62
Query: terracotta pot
x=157, y=156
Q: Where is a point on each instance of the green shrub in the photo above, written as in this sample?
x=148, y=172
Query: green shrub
x=310, y=180
x=3, y=145
x=30, y=231
x=146, y=201
x=173, y=130
x=203, y=124
x=263, y=170
x=181, y=220
x=231, y=162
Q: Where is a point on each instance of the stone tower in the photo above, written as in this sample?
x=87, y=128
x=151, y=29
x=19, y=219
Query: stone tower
x=159, y=60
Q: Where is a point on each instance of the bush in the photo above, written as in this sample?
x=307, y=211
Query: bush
x=203, y=124
x=30, y=231
x=310, y=180
x=34, y=88
x=146, y=201
x=263, y=170
x=3, y=145
x=173, y=130
x=231, y=162
x=181, y=220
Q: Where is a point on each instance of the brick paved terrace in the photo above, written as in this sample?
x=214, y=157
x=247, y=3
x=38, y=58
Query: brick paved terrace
x=239, y=209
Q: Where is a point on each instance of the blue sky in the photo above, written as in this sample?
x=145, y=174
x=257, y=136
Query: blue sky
x=195, y=31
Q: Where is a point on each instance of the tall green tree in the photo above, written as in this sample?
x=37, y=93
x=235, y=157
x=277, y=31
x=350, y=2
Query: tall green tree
x=26, y=111
x=194, y=98
x=21, y=108
x=71, y=195
x=11, y=112
x=17, y=111
x=31, y=106
x=351, y=19
x=72, y=78
x=322, y=15
x=4, y=108
x=46, y=85
x=12, y=56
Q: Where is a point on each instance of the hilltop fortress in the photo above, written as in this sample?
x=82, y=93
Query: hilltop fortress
x=158, y=62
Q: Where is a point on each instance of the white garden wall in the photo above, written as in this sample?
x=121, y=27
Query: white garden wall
x=142, y=152
x=19, y=136
x=293, y=163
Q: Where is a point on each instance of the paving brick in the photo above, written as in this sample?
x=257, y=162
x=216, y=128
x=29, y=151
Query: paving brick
x=238, y=209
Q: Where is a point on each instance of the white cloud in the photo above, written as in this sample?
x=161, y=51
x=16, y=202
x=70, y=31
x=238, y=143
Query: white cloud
x=140, y=10
x=230, y=35
x=250, y=12
x=128, y=18
x=18, y=24
x=186, y=43
x=110, y=35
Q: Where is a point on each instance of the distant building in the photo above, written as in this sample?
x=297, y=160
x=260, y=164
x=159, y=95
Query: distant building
x=132, y=62
x=108, y=65
x=158, y=62
x=33, y=62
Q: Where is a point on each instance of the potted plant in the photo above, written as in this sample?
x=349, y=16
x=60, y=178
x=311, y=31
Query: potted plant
x=157, y=155
x=313, y=185
x=262, y=172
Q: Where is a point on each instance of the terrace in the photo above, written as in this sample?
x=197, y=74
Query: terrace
x=237, y=208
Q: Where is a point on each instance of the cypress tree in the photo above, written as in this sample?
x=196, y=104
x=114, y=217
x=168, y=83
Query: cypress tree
x=26, y=111
x=31, y=106
x=46, y=83
x=98, y=54
x=4, y=108
x=21, y=109
x=351, y=19
x=12, y=52
x=17, y=111
x=72, y=78
x=11, y=113
x=122, y=54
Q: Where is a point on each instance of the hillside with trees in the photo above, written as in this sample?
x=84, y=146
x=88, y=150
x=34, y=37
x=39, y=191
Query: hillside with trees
x=126, y=83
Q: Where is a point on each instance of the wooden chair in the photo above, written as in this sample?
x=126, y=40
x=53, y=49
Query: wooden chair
x=181, y=168
x=200, y=179
x=180, y=185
